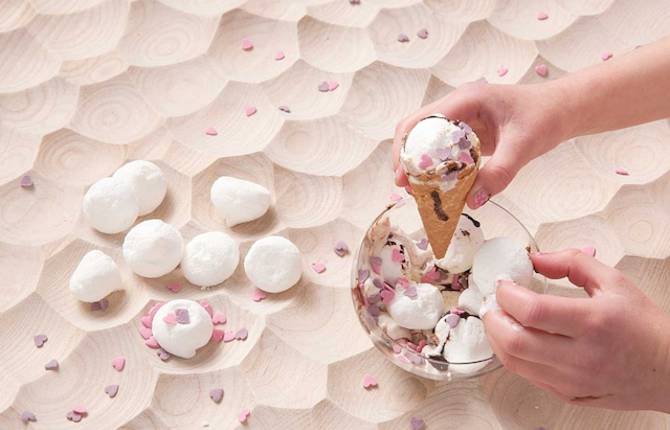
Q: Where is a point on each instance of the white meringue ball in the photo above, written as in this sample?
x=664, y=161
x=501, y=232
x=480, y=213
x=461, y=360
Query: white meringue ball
x=109, y=206
x=391, y=270
x=153, y=248
x=464, y=244
x=239, y=201
x=501, y=256
x=273, y=264
x=471, y=299
x=467, y=343
x=210, y=258
x=96, y=276
x=178, y=339
x=419, y=313
x=147, y=182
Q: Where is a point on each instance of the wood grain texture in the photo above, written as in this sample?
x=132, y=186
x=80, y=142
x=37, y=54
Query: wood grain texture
x=86, y=85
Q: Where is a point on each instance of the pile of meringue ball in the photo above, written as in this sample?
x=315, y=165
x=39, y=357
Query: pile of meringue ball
x=153, y=248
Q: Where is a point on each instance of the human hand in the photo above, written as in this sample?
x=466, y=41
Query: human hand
x=610, y=350
x=515, y=123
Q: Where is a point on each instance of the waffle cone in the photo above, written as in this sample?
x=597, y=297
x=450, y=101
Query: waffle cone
x=429, y=197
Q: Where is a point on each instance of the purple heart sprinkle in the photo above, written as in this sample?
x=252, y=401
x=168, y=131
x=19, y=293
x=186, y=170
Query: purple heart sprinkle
x=182, y=315
x=341, y=248
x=403, y=38
x=51, y=365
x=26, y=181
x=363, y=275
x=457, y=135
x=324, y=87
x=378, y=283
x=417, y=423
x=373, y=310
x=162, y=354
x=40, y=339
x=112, y=390
x=423, y=244
x=285, y=109
x=242, y=334
x=422, y=34
x=28, y=416
x=452, y=320
x=216, y=394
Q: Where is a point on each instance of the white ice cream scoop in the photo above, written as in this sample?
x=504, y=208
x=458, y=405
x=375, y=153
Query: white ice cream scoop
x=239, y=201
x=392, y=329
x=471, y=299
x=95, y=277
x=501, y=256
x=420, y=312
x=181, y=327
x=153, y=248
x=147, y=182
x=467, y=343
x=465, y=242
x=110, y=206
x=210, y=258
x=273, y=264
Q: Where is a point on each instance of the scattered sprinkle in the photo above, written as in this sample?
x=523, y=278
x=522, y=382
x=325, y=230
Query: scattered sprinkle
x=453, y=320
x=410, y=292
x=621, y=171
x=51, y=365
x=376, y=264
x=323, y=87
x=28, y=416
x=175, y=287
x=341, y=248
x=228, y=336
x=183, y=316
x=100, y=305
x=430, y=276
x=218, y=318
x=258, y=295
x=373, y=310
x=542, y=70
x=396, y=255
x=250, y=110
x=541, y=16
x=153, y=310
x=163, y=354
x=279, y=55
x=422, y=34
x=112, y=390
x=502, y=71
x=40, y=339
x=79, y=409
x=217, y=335
x=417, y=423
x=211, y=131
x=318, y=267
x=26, y=181
x=422, y=244
x=363, y=275
x=606, y=55
x=205, y=304
x=147, y=320
x=369, y=381
x=425, y=162
x=387, y=296
x=145, y=332
x=244, y=415
x=73, y=416
x=170, y=318
x=403, y=38
x=242, y=334
x=333, y=85
x=284, y=109
x=152, y=343
x=395, y=197
x=465, y=157
x=355, y=2
x=216, y=394
x=247, y=45
x=119, y=363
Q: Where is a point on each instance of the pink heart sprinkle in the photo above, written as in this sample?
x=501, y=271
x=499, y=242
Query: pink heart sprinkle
x=247, y=45
x=397, y=256
x=170, y=319
x=147, y=320
x=279, y=55
x=425, y=162
x=541, y=16
x=324, y=87
x=369, y=381
x=395, y=197
x=542, y=70
x=40, y=339
x=258, y=295
x=145, y=332
x=154, y=309
x=318, y=267
x=403, y=38
x=606, y=55
x=341, y=248
x=152, y=343
x=376, y=264
x=244, y=415
x=26, y=181
x=112, y=390
x=431, y=276
x=422, y=34
x=421, y=345
x=417, y=423
x=502, y=71
x=228, y=336
x=387, y=296
x=332, y=85
x=217, y=335
x=249, y=110
x=175, y=287
x=216, y=394
x=621, y=171
x=119, y=363
x=80, y=409
x=218, y=318
x=211, y=131
x=205, y=304
x=465, y=157
x=73, y=416
x=242, y=334
x=411, y=292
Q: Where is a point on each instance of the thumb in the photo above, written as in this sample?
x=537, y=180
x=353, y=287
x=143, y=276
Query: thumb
x=494, y=176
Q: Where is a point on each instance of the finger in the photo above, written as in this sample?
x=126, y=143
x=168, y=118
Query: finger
x=527, y=343
x=552, y=314
x=580, y=268
x=495, y=174
x=401, y=177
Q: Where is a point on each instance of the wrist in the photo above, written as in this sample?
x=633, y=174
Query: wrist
x=566, y=110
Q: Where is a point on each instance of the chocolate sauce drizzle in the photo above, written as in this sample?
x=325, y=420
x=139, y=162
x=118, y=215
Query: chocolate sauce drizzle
x=437, y=206
x=474, y=221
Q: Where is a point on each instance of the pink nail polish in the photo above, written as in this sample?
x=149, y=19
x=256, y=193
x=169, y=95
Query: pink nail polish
x=589, y=250
x=481, y=197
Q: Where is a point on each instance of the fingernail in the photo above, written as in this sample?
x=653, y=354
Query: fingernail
x=589, y=250
x=534, y=253
x=506, y=282
x=481, y=197
x=408, y=189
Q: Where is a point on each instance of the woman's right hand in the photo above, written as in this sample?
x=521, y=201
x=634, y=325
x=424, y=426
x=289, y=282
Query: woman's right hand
x=515, y=123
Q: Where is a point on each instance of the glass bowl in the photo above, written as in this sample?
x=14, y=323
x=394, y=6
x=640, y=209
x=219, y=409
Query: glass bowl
x=495, y=221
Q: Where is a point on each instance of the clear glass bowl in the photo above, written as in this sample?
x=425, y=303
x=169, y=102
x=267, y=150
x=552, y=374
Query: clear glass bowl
x=495, y=221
